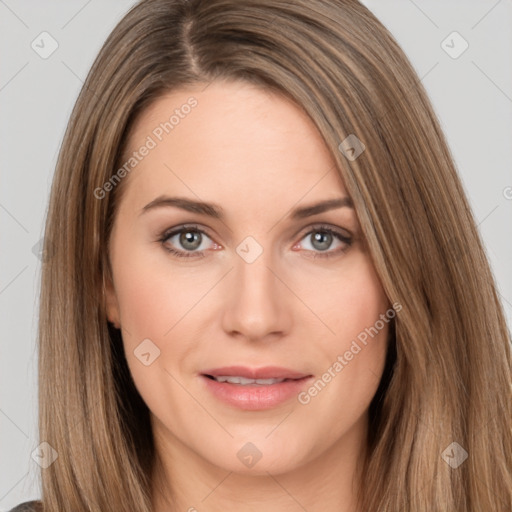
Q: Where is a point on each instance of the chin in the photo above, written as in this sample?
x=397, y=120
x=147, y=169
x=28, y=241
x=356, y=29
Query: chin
x=260, y=456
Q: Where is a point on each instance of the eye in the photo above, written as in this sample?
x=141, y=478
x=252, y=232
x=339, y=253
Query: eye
x=192, y=242
x=187, y=242
x=320, y=241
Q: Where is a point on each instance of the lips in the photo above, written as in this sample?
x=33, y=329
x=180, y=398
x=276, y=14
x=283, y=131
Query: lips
x=254, y=388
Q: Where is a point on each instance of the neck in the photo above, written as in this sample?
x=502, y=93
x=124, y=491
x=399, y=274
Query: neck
x=185, y=481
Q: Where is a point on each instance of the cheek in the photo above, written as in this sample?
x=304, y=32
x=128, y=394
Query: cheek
x=160, y=302
x=348, y=301
x=154, y=295
x=355, y=308
x=153, y=299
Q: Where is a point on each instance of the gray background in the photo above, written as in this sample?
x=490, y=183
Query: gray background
x=472, y=95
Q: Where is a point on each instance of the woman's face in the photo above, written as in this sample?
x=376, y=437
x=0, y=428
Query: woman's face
x=261, y=279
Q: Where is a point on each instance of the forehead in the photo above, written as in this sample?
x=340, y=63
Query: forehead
x=227, y=141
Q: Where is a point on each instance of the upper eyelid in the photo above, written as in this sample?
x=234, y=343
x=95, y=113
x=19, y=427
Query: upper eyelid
x=178, y=229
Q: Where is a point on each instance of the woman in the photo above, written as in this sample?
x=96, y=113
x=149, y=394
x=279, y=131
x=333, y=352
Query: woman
x=266, y=285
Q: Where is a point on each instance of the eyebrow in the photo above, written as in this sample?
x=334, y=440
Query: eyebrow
x=216, y=211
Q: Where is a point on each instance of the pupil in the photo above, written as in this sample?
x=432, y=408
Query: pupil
x=322, y=240
x=190, y=239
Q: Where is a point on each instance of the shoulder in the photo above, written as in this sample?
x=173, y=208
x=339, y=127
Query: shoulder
x=28, y=506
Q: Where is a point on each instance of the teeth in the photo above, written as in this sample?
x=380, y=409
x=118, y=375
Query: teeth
x=244, y=381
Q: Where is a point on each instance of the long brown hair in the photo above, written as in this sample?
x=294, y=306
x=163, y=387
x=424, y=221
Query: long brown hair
x=448, y=373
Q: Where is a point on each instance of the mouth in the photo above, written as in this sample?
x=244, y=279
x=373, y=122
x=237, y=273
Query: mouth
x=243, y=381
x=254, y=389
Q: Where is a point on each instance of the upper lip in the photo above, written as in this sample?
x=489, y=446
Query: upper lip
x=267, y=372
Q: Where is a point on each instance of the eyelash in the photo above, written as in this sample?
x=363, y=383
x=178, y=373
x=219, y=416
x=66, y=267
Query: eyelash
x=166, y=235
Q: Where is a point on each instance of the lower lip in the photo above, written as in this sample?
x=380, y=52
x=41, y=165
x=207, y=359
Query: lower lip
x=253, y=397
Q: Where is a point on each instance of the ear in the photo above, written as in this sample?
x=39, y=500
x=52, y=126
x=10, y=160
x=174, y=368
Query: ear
x=111, y=302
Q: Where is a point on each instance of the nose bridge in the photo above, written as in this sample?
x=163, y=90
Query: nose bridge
x=255, y=279
x=256, y=305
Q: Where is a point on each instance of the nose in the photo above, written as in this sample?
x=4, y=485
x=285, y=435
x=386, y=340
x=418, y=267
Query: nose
x=257, y=304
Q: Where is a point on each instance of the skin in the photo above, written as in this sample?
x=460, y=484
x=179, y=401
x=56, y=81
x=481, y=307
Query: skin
x=258, y=156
